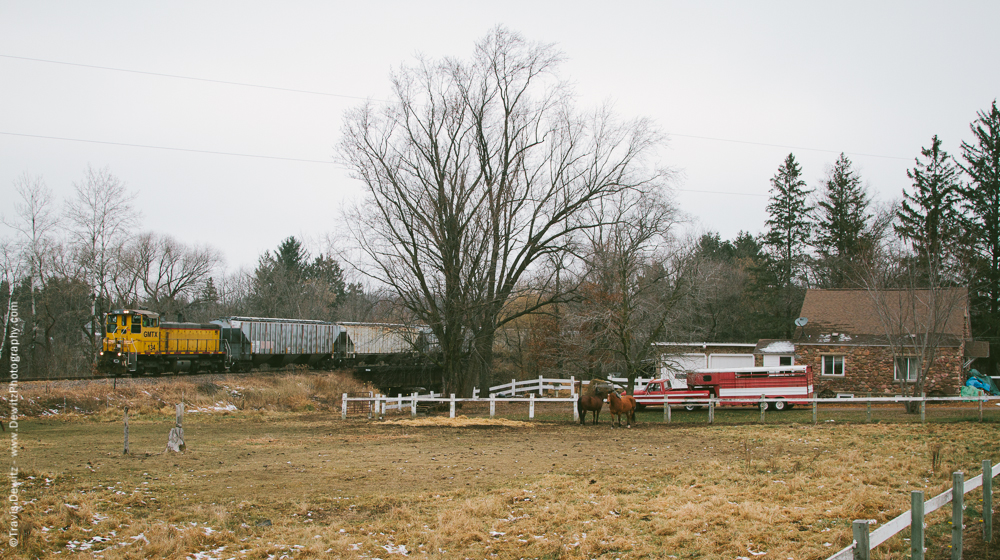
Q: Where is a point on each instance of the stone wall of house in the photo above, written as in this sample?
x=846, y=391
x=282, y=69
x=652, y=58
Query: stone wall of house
x=869, y=369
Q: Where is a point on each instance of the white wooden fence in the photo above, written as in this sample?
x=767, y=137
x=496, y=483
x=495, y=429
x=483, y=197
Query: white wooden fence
x=864, y=542
x=542, y=384
x=381, y=403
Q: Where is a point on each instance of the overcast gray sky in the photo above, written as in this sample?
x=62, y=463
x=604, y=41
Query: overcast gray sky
x=735, y=85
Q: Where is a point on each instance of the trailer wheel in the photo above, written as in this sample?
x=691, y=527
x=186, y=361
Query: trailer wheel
x=690, y=407
x=780, y=405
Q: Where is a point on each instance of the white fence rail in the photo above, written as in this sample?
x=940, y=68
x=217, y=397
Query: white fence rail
x=542, y=384
x=380, y=403
x=864, y=542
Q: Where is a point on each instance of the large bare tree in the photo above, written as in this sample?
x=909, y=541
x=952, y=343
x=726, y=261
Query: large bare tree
x=101, y=220
x=477, y=171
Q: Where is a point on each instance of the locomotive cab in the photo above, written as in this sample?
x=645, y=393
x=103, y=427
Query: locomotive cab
x=127, y=334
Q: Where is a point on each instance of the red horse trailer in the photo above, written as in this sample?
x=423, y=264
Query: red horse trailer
x=790, y=385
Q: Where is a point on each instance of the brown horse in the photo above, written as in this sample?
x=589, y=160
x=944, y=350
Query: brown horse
x=621, y=405
x=593, y=401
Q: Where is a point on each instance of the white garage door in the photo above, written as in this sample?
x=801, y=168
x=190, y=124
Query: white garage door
x=725, y=361
x=683, y=362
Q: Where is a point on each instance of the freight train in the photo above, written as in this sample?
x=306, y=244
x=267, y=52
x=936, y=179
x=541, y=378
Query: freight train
x=137, y=342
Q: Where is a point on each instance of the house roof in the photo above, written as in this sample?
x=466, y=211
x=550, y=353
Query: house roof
x=864, y=314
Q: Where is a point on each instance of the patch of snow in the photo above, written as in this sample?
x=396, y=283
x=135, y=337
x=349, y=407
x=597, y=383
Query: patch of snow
x=779, y=347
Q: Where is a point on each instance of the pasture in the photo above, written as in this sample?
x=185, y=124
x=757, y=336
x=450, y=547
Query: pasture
x=291, y=479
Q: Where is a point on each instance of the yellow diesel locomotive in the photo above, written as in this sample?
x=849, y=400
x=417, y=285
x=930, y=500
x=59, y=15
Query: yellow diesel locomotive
x=136, y=341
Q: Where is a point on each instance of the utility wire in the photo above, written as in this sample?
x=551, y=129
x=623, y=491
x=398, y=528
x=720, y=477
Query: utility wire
x=313, y=92
x=258, y=156
x=192, y=150
x=179, y=77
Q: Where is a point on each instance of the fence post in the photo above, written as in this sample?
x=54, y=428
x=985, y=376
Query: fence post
x=343, y=407
x=493, y=404
x=126, y=431
x=666, y=411
x=923, y=408
x=763, y=407
x=862, y=548
x=513, y=387
x=540, y=385
x=711, y=410
x=531, y=407
x=917, y=525
x=452, y=413
x=572, y=385
x=413, y=405
x=957, y=505
x=987, y=500
x=815, y=411
x=869, y=418
x=981, y=397
x=576, y=408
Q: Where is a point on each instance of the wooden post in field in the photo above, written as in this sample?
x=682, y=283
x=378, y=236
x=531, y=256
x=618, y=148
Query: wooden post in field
x=981, y=397
x=175, y=441
x=413, y=405
x=126, y=431
x=576, y=408
x=572, y=385
x=513, y=387
x=493, y=405
x=711, y=410
x=763, y=407
x=666, y=411
x=540, y=378
x=815, y=411
x=917, y=525
x=987, y=501
x=923, y=408
x=862, y=546
x=531, y=407
x=957, y=504
x=451, y=414
x=869, y=417
x=343, y=407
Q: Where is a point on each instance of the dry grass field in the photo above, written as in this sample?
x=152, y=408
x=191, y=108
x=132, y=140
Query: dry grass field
x=271, y=471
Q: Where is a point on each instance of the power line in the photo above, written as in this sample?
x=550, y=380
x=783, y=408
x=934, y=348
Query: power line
x=258, y=156
x=180, y=77
x=785, y=147
x=171, y=148
x=328, y=94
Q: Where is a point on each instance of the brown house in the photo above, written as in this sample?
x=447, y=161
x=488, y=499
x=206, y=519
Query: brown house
x=861, y=342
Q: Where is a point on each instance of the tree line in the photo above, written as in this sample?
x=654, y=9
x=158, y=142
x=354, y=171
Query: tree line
x=67, y=264
x=531, y=236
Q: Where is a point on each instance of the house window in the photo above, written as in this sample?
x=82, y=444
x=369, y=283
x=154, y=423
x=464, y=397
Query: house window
x=833, y=365
x=785, y=361
x=907, y=369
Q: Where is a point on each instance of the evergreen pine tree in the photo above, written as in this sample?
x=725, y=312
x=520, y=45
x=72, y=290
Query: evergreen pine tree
x=841, y=236
x=929, y=217
x=787, y=233
x=982, y=204
x=788, y=223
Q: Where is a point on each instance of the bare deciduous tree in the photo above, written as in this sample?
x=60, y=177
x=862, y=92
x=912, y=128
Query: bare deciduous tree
x=35, y=222
x=169, y=272
x=475, y=173
x=101, y=220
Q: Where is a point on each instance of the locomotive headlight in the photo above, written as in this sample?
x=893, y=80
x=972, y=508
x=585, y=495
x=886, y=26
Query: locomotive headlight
x=119, y=354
